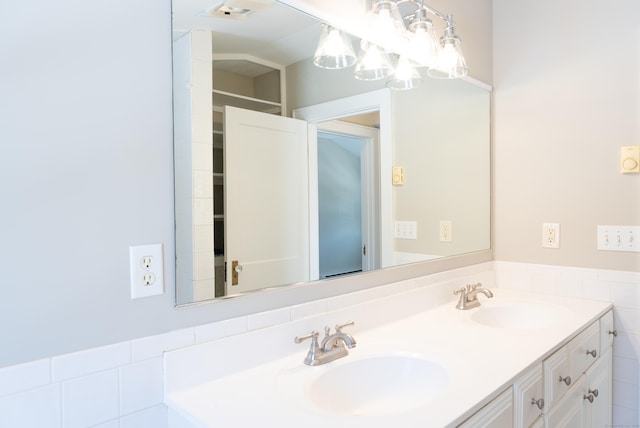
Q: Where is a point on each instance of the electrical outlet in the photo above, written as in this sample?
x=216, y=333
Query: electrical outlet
x=551, y=235
x=446, y=233
x=146, y=268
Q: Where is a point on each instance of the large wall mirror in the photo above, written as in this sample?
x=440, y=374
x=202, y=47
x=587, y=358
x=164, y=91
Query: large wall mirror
x=287, y=173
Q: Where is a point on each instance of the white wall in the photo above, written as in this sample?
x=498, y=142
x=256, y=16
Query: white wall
x=567, y=96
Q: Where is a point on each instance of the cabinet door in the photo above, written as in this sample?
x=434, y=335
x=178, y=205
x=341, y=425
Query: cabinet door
x=497, y=414
x=568, y=412
x=528, y=397
x=584, y=349
x=606, y=331
x=599, y=378
x=557, y=376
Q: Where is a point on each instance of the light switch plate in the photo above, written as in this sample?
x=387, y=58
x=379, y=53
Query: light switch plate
x=397, y=176
x=630, y=159
x=619, y=238
x=146, y=270
x=405, y=230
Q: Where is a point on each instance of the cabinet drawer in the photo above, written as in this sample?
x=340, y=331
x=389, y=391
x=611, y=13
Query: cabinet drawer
x=567, y=412
x=584, y=349
x=557, y=376
x=606, y=331
x=528, y=397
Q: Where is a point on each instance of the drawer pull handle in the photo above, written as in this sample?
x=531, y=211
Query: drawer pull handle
x=539, y=403
x=594, y=392
x=614, y=333
x=566, y=380
x=588, y=397
x=593, y=353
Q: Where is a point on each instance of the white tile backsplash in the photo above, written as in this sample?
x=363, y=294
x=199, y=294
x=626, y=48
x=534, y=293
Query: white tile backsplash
x=93, y=360
x=154, y=417
x=140, y=385
x=90, y=400
x=26, y=376
x=309, y=309
x=121, y=385
x=269, y=318
x=218, y=330
x=37, y=408
x=154, y=346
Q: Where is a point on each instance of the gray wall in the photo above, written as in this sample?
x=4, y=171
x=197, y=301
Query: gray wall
x=567, y=96
x=85, y=171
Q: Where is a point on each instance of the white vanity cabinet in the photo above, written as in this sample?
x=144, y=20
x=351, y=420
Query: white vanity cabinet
x=578, y=379
x=497, y=414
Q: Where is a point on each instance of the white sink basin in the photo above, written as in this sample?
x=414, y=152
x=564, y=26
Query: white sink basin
x=374, y=385
x=518, y=315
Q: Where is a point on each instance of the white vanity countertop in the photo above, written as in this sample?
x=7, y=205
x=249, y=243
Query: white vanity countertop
x=481, y=361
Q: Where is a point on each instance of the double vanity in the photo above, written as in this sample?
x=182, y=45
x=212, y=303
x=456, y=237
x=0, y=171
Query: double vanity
x=412, y=358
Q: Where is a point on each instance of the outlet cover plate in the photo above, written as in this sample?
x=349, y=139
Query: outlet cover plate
x=146, y=270
x=551, y=235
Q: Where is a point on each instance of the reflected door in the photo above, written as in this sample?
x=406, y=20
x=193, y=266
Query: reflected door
x=266, y=200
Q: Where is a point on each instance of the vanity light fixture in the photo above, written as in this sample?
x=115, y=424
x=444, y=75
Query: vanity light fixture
x=450, y=63
x=335, y=49
x=409, y=39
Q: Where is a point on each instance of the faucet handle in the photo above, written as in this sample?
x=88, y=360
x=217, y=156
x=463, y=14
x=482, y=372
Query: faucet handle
x=314, y=350
x=460, y=291
x=339, y=327
x=313, y=336
x=471, y=287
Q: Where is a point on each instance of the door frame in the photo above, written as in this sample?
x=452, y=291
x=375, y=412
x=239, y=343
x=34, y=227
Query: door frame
x=380, y=101
x=369, y=184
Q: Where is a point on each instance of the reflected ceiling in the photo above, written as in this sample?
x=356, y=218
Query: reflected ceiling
x=272, y=31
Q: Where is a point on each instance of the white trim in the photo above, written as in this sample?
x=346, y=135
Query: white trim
x=380, y=101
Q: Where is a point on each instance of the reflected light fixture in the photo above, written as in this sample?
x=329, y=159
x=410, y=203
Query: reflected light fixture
x=385, y=19
x=405, y=76
x=373, y=63
x=409, y=39
x=335, y=49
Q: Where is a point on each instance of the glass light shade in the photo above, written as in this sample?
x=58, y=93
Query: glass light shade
x=387, y=26
x=451, y=63
x=335, y=49
x=373, y=63
x=405, y=76
x=424, y=47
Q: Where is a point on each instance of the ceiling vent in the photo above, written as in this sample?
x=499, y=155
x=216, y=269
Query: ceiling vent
x=235, y=9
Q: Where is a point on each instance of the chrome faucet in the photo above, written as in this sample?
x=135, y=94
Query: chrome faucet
x=333, y=346
x=469, y=296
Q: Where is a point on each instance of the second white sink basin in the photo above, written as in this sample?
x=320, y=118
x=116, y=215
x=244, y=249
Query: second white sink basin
x=370, y=385
x=518, y=315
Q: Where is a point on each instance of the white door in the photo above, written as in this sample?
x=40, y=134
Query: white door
x=266, y=200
